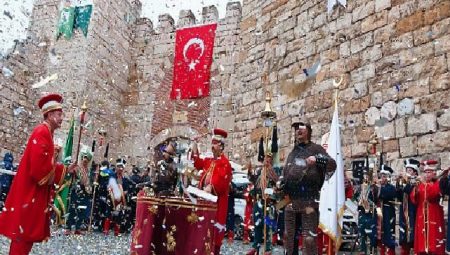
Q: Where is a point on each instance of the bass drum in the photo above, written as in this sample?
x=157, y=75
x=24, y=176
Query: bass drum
x=148, y=232
x=189, y=228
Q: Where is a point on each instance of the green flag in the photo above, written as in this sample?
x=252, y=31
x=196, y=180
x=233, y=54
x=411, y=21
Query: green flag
x=65, y=24
x=68, y=147
x=82, y=18
x=62, y=192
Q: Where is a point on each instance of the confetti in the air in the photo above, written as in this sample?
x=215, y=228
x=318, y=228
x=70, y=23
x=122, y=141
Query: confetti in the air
x=44, y=81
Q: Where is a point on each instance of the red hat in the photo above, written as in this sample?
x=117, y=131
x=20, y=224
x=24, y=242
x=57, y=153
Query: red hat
x=50, y=102
x=429, y=164
x=219, y=134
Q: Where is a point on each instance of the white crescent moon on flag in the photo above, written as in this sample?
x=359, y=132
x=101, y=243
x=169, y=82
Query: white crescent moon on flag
x=193, y=41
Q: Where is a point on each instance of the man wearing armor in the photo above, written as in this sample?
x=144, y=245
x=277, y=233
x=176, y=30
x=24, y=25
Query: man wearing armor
x=303, y=176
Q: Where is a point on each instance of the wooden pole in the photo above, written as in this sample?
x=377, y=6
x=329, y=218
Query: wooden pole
x=330, y=246
x=262, y=191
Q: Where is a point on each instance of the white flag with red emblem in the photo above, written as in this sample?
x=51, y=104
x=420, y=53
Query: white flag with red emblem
x=192, y=61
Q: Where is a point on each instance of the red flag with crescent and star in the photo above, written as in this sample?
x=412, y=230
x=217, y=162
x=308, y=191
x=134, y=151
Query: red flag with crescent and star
x=192, y=62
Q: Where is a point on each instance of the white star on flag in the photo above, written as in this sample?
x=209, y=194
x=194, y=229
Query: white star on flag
x=332, y=3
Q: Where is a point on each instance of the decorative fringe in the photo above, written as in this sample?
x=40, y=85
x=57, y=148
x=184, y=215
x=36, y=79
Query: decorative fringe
x=274, y=140
x=261, y=150
x=106, y=151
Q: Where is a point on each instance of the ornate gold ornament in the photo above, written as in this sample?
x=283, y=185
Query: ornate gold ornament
x=192, y=218
x=171, y=243
x=208, y=243
x=153, y=209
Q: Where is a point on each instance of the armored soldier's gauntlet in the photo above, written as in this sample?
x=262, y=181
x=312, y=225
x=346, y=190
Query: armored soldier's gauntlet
x=321, y=161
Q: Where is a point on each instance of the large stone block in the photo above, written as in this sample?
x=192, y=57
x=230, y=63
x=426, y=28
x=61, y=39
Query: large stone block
x=390, y=145
x=444, y=120
x=372, y=115
x=382, y=4
x=387, y=131
x=359, y=150
x=362, y=42
x=422, y=124
x=445, y=160
x=439, y=12
x=433, y=143
x=390, y=156
x=410, y=23
x=363, y=11
x=363, y=134
x=408, y=146
x=389, y=110
x=364, y=73
x=405, y=107
x=374, y=21
x=440, y=83
x=400, y=127
x=435, y=102
x=442, y=45
x=371, y=54
x=376, y=99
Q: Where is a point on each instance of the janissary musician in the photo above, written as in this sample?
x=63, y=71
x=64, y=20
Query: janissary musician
x=429, y=230
x=215, y=179
x=26, y=216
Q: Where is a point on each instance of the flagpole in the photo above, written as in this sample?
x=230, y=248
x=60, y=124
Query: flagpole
x=82, y=117
x=268, y=115
x=336, y=92
x=330, y=248
x=83, y=114
x=333, y=245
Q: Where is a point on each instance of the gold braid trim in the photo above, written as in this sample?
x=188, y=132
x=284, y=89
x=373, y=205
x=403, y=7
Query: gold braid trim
x=62, y=186
x=47, y=177
x=59, y=219
x=63, y=175
x=60, y=201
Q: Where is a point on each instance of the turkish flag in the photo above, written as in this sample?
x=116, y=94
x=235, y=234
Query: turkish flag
x=192, y=62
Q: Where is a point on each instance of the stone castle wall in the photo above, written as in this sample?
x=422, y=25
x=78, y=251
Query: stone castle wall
x=92, y=69
x=393, y=56
x=151, y=116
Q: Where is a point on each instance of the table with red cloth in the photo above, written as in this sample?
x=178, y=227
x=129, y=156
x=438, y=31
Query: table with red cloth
x=172, y=225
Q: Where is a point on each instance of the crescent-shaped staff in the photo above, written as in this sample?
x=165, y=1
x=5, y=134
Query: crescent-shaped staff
x=337, y=84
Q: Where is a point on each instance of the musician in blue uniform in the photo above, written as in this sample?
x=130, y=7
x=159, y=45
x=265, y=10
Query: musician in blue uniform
x=6, y=178
x=407, y=209
x=387, y=196
x=367, y=197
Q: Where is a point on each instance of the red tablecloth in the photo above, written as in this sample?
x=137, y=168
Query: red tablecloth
x=173, y=226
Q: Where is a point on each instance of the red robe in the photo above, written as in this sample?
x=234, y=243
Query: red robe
x=429, y=230
x=26, y=215
x=221, y=175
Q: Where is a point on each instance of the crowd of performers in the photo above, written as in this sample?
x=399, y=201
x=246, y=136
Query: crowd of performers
x=82, y=195
x=417, y=197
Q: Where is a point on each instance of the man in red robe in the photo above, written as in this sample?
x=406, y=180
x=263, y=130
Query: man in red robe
x=215, y=179
x=26, y=216
x=429, y=229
